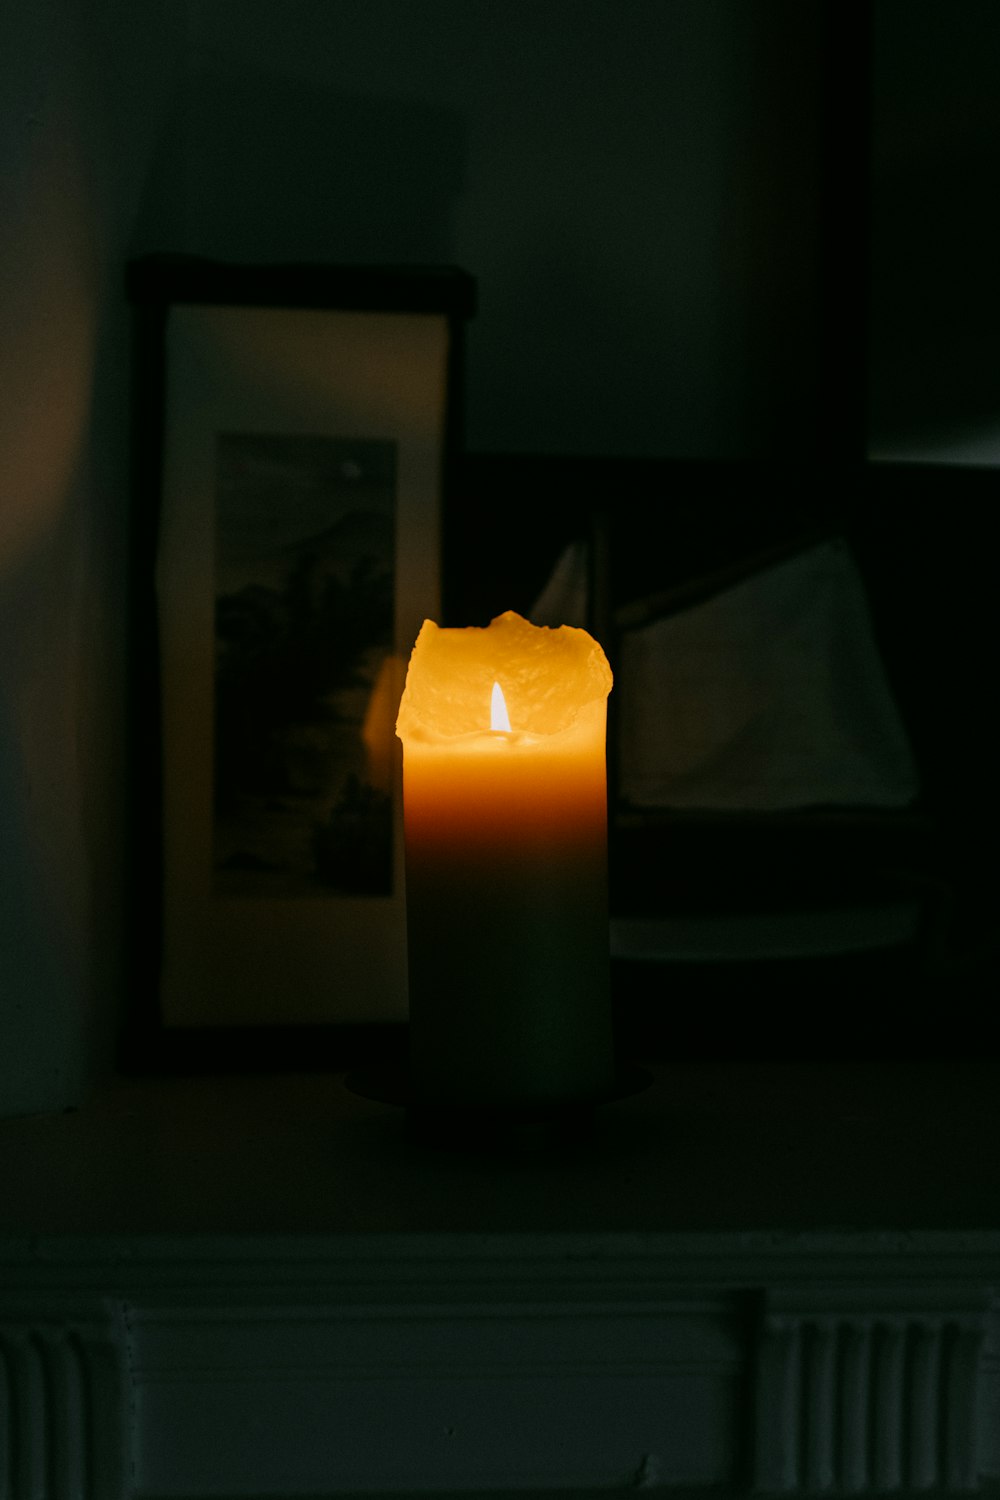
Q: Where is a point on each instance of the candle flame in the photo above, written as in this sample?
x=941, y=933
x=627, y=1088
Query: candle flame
x=499, y=717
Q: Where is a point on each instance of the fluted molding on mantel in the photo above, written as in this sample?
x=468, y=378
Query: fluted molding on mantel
x=65, y=1417
x=875, y=1389
x=313, y=1366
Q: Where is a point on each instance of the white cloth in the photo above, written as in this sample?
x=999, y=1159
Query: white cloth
x=771, y=695
x=563, y=600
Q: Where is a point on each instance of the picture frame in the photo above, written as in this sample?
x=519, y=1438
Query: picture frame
x=294, y=432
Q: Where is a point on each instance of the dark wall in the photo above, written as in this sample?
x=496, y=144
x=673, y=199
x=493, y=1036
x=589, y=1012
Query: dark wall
x=639, y=187
x=633, y=182
x=935, y=309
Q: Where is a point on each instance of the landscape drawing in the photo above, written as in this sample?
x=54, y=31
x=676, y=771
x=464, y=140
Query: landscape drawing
x=304, y=590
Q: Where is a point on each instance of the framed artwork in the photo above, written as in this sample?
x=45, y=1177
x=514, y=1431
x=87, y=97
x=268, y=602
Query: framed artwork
x=294, y=428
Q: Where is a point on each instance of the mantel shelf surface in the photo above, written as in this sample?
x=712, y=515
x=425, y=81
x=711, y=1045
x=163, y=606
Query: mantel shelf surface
x=728, y=1148
x=740, y=1283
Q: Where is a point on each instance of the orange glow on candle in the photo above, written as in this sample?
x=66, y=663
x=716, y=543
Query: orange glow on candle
x=506, y=864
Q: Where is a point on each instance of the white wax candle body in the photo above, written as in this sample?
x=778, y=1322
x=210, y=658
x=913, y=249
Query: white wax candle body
x=506, y=870
x=507, y=919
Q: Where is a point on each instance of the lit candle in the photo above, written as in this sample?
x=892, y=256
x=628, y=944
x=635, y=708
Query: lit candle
x=505, y=815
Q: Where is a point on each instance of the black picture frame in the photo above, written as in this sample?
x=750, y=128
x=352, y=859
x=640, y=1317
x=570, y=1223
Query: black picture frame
x=294, y=436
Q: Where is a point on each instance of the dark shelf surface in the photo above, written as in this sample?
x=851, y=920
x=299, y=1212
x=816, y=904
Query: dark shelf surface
x=710, y=1146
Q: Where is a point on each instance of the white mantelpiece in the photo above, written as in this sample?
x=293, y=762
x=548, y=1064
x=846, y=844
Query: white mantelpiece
x=426, y=1321
x=64, y=1396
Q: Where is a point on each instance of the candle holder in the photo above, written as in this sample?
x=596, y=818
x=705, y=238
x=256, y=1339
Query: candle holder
x=460, y=1127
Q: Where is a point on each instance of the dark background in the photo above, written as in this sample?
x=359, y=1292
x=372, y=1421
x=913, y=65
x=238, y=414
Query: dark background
x=706, y=234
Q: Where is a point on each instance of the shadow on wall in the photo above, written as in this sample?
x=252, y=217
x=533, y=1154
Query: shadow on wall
x=49, y=316
x=267, y=168
x=40, y=1002
x=935, y=378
